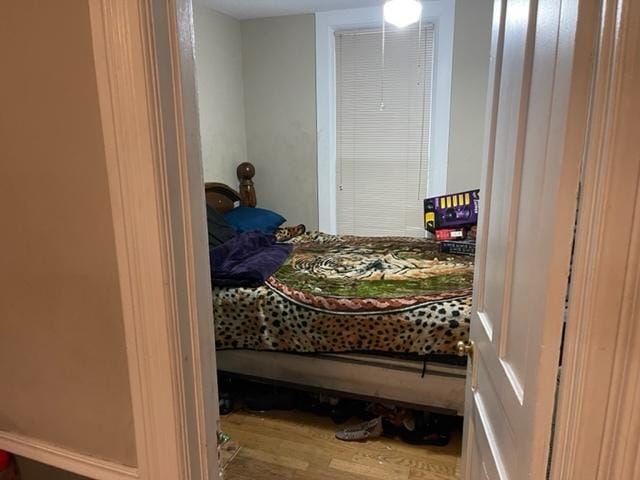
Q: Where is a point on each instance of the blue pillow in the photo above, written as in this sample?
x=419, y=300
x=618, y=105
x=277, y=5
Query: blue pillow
x=248, y=219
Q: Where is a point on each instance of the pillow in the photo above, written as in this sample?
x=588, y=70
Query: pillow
x=247, y=219
x=219, y=229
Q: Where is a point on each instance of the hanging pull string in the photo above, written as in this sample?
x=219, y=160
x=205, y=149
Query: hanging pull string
x=340, y=153
x=382, y=62
x=419, y=46
x=421, y=55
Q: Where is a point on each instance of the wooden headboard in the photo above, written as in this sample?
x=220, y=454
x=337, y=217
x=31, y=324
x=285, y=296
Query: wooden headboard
x=223, y=197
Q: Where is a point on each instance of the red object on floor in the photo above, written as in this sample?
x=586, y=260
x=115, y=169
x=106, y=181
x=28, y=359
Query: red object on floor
x=5, y=460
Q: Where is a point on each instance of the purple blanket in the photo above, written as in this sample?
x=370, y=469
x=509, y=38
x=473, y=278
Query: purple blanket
x=247, y=260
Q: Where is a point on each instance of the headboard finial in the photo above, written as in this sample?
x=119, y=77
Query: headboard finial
x=246, y=172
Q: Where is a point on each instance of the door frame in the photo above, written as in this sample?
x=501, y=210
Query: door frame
x=605, y=32
x=144, y=55
x=598, y=422
x=145, y=70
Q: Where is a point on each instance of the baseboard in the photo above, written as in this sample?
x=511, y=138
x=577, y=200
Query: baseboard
x=64, y=459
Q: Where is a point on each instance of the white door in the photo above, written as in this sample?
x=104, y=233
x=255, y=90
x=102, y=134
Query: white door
x=528, y=204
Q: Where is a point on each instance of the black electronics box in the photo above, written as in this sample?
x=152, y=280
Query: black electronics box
x=460, y=247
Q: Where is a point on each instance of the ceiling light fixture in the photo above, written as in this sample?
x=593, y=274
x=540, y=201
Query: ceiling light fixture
x=402, y=13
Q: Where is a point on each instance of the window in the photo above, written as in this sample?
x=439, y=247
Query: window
x=383, y=118
x=376, y=166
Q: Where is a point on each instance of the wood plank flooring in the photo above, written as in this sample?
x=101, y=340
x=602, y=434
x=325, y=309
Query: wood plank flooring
x=301, y=446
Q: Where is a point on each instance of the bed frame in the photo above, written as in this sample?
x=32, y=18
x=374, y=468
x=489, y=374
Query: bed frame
x=412, y=383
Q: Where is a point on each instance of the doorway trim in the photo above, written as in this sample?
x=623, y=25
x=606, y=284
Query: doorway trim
x=144, y=55
x=598, y=421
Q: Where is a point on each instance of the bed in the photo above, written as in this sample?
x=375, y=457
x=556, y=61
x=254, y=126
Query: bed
x=366, y=317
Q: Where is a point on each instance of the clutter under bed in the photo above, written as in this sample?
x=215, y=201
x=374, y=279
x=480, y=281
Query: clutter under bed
x=355, y=420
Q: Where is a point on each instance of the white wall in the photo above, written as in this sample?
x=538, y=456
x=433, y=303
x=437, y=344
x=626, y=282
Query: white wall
x=468, y=93
x=220, y=91
x=256, y=80
x=280, y=104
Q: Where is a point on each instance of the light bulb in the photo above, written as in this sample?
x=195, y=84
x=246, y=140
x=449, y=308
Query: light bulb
x=402, y=12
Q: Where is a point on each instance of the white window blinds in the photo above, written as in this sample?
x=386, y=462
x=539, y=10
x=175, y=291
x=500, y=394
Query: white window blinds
x=383, y=120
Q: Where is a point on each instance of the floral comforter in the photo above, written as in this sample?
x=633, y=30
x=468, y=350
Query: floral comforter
x=344, y=293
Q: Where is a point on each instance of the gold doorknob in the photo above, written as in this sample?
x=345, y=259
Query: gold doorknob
x=465, y=348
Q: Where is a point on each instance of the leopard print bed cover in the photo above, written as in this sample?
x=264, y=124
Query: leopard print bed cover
x=344, y=293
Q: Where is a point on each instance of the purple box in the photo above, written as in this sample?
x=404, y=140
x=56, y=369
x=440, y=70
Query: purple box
x=451, y=211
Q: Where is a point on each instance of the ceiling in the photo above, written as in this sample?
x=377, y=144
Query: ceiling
x=245, y=9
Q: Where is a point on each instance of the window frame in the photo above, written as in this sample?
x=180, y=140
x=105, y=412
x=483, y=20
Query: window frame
x=439, y=12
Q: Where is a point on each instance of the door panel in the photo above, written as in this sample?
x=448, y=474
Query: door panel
x=507, y=159
x=487, y=456
x=524, y=246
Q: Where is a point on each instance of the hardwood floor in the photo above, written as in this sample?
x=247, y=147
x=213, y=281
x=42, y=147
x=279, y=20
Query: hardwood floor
x=302, y=446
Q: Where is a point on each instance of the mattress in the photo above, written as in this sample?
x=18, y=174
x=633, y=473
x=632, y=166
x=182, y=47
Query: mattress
x=348, y=294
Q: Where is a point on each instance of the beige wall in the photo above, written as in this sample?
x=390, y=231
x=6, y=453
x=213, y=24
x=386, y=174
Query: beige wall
x=220, y=92
x=63, y=366
x=280, y=106
x=468, y=93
